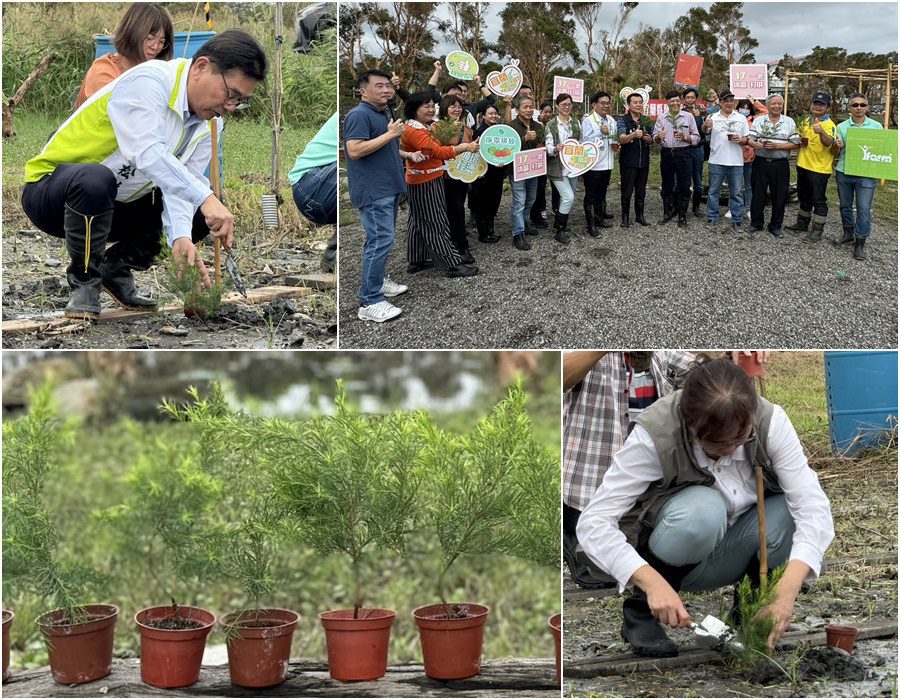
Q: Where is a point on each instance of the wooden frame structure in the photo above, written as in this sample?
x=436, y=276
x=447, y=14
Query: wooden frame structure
x=861, y=74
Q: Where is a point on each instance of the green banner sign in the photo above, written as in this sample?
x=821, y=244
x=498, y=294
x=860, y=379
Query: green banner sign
x=871, y=153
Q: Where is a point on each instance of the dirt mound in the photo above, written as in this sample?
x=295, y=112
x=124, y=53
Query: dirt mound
x=817, y=663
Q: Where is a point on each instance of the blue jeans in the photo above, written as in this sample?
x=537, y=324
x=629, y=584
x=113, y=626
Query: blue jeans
x=863, y=188
x=748, y=187
x=566, y=187
x=735, y=176
x=693, y=526
x=697, y=168
x=315, y=194
x=523, y=196
x=379, y=220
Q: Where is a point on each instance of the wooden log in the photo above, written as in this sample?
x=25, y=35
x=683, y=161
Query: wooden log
x=57, y=323
x=20, y=93
x=625, y=664
x=505, y=678
x=313, y=280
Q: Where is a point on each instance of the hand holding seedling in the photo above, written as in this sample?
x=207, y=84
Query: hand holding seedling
x=184, y=252
x=219, y=220
x=786, y=591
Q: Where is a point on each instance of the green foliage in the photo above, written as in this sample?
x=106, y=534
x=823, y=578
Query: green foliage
x=754, y=629
x=310, y=83
x=186, y=282
x=32, y=447
x=446, y=130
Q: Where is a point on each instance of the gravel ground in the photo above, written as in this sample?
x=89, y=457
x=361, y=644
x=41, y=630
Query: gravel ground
x=657, y=286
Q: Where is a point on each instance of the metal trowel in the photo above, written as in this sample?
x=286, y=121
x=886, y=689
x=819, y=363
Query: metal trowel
x=717, y=635
x=232, y=269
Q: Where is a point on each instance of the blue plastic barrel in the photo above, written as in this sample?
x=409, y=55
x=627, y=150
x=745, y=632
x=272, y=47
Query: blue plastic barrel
x=862, y=397
x=191, y=40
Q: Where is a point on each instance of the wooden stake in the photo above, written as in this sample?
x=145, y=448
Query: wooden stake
x=761, y=515
x=214, y=181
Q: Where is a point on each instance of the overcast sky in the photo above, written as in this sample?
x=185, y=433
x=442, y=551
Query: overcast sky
x=779, y=27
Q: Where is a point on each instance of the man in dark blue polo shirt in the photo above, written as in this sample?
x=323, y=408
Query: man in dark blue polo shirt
x=376, y=180
x=634, y=158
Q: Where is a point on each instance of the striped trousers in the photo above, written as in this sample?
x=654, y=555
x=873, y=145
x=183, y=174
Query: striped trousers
x=427, y=229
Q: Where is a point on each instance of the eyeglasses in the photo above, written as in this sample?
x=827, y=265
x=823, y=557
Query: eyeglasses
x=733, y=445
x=230, y=100
x=859, y=104
x=160, y=41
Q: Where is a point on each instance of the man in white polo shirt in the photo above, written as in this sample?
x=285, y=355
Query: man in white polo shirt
x=728, y=131
x=600, y=127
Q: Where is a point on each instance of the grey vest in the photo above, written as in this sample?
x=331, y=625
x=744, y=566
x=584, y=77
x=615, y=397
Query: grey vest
x=680, y=469
x=555, y=169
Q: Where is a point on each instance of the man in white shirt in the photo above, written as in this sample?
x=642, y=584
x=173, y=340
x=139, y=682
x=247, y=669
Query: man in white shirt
x=677, y=509
x=600, y=127
x=728, y=131
x=129, y=165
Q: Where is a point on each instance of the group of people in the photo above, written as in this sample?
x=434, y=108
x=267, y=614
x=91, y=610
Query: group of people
x=659, y=493
x=128, y=168
x=746, y=142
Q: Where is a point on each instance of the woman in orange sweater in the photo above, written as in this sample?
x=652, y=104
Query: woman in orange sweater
x=427, y=230
x=145, y=32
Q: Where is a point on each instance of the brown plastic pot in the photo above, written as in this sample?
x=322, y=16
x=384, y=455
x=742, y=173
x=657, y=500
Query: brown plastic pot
x=357, y=649
x=82, y=652
x=451, y=649
x=555, y=623
x=841, y=637
x=7, y=623
x=258, y=656
x=172, y=658
x=751, y=365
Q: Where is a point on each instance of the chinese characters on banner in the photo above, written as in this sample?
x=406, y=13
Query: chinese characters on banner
x=752, y=80
x=529, y=164
x=569, y=86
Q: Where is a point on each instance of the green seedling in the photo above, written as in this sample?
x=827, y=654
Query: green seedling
x=186, y=283
x=754, y=628
x=446, y=130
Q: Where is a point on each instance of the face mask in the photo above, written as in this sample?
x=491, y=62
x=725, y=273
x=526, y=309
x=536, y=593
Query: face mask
x=710, y=109
x=745, y=112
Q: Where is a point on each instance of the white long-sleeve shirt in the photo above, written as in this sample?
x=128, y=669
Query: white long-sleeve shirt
x=637, y=465
x=590, y=131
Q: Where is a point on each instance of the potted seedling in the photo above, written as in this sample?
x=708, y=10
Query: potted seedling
x=350, y=483
x=79, y=637
x=170, y=499
x=186, y=282
x=470, y=490
x=802, y=128
x=447, y=131
x=7, y=623
x=243, y=548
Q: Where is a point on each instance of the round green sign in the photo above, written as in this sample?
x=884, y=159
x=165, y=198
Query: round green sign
x=499, y=144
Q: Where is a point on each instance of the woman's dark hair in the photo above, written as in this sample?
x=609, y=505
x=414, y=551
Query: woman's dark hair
x=718, y=399
x=140, y=21
x=687, y=91
x=235, y=49
x=748, y=104
x=544, y=106
x=414, y=101
x=563, y=96
x=447, y=101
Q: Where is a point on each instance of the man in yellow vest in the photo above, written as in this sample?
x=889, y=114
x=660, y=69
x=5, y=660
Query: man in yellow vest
x=128, y=166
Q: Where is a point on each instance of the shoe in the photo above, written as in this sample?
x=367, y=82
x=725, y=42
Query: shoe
x=392, y=289
x=668, y=210
x=601, y=217
x=737, y=228
x=520, y=242
x=413, y=268
x=682, y=216
x=85, y=242
x=581, y=569
x=712, y=225
x=754, y=229
x=117, y=278
x=467, y=257
x=859, y=249
x=644, y=632
x=695, y=203
x=559, y=225
x=848, y=237
x=380, y=312
x=816, y=231
x=777, y=232
x=728, y=214
x=530, y=230
x=589, y=221
x=486, y=231
x=625, y=221
x=462, y=271
x=540, y=223
x=802, y=222
x=639, y=215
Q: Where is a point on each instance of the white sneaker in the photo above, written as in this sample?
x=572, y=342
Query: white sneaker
x=391, y=288
x=380, y=312
x=728, y=214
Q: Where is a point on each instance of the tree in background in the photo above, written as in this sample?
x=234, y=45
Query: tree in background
x=402, y=30
x=541, y=36
x=466, y=27
x=605, y=68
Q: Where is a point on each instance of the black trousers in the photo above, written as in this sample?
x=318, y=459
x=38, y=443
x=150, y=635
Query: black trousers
x=772, y=176
x=540, y=201
x=811, y=188
x=676, y=167
x=596, y=182
x=455, y=193
x=90, y=189
x=634, y=180
x=487, y=192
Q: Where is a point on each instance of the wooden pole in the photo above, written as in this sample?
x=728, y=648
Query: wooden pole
x=277, y=94
x=761, y=514
x=214, y=181
x=787, y=85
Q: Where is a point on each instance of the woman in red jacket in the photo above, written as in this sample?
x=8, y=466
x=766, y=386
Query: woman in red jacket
x=427, y=230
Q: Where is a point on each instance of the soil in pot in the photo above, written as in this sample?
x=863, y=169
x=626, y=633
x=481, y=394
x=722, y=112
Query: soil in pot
x=357, y=648
x=80, y=652
x=172, y=644
x=451, y=637
x=555, y=623
x=259, y=646
x=7, y=623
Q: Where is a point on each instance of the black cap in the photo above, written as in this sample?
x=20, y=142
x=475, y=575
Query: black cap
x=725, y=95
x=822, y=97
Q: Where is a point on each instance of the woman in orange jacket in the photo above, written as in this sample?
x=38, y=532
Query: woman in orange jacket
x=428, y=239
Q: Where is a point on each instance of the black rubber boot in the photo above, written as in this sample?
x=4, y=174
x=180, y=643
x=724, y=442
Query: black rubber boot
x=682, y=215
x=642, y=631
x=485, y=230
x=802, y=222
x=848, y=237
x=816, y=231
x=639, y=215
x=601, y=217
x=606, y=214
x=329, y=257
x=118, y=281
x=695, y=203
x=589, y=221
x=559, y=225
x=625, y=219
x=520, y=242
x=85, y=242
x=582, y=571
x=530, y=230
x=668, y=210
x=859, y=249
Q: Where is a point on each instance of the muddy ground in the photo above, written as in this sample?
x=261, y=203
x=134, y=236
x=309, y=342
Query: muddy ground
x=34, y=286
x=864, y=505
x=637, y=287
